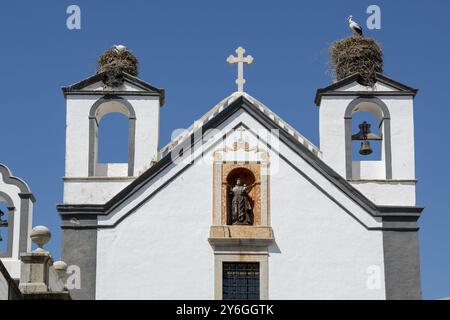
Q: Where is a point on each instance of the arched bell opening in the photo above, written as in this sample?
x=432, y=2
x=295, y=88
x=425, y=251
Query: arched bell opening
x=113, y=131
x=368, y=139
x=109, y=108
x=6, y=225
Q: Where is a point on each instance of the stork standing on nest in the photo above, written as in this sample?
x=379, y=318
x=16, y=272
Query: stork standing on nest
x=119, y=48
x=356, y=28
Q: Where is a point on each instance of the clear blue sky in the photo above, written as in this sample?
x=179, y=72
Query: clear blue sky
x=182, y=46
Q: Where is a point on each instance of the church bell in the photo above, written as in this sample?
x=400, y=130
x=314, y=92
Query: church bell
x=364, y=135
x=365, y=148
x=3, y=223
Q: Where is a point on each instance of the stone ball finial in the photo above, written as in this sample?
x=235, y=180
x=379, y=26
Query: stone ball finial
x=116, y=61
x=61, y=269
x=60, y=265
x=40, y=235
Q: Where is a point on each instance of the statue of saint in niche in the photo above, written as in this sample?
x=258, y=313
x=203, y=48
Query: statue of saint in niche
x=241, y=207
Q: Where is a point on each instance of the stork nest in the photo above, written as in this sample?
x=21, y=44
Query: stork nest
x=114, y=63
x=357, y=54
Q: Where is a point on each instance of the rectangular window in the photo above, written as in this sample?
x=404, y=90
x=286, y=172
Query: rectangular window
x=240, y=281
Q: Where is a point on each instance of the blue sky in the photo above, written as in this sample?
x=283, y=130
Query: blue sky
x=182, y=46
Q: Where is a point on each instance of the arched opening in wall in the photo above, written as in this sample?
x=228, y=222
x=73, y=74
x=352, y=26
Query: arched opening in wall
x=366, y=150
x=112, y=123
x=113, y=137
x=367, y=139
x=4, y=228
x=242, y=193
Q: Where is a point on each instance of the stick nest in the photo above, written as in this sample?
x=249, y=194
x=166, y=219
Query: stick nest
x=356, y=54
x=114, y=63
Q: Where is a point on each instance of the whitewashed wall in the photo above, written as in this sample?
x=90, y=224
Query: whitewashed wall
x=92, y=190
x=161, y=250
x=322, y=252
x=4, y=288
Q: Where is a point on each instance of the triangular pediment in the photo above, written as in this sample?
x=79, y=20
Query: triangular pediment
x=94, y=85
x=353, y=85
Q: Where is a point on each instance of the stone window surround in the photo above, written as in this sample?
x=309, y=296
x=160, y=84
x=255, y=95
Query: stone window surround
x=248, y=255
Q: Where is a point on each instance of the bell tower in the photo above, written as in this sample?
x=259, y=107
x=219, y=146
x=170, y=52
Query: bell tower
x=392, y=107
x=347, y=140
x=114, y=89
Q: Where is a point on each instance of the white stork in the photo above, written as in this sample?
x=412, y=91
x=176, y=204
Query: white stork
x=356, y=28
x=119, y=48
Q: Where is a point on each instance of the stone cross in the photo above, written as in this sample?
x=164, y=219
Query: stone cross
x=240, y=60
x=241, y=130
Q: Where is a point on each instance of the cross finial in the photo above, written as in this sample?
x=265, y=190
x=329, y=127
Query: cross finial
x=240, y=60
x=241, y=130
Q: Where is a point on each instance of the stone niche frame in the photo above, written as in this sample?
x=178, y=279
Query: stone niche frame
x=256, y=169
x=250, y=173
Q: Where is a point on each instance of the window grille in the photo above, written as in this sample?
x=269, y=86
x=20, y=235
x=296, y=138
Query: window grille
x=240, y=281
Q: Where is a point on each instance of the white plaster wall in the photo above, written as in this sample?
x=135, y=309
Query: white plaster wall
x=92, y=190
x=161, y=250
x=355, y=86
x=100, y=86
x=332, y=131
x=321, y=252
x=4, y=288
x=402, y=193
x=77, y=135
x=371, y=169
x=13, y=266
x=147, y=130
x=402, y=136
x=111, y=169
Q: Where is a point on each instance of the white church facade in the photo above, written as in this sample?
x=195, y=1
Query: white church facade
x=241, y=205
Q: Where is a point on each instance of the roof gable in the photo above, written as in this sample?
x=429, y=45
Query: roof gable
x=352, y=86
x=227, y=103
x=132, y=86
